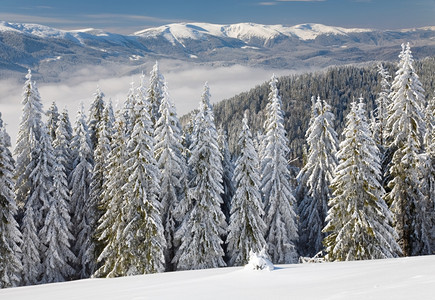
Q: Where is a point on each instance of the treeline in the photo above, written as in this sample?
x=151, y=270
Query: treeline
x=130, y=192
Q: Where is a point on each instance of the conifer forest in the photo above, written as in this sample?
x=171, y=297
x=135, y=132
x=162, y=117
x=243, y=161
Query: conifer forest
x=335, y=165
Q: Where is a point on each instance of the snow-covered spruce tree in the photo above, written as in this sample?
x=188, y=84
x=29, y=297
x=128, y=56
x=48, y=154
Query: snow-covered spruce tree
x=64, y=117
x=358, y=219
x=52, y=120
x=301, y=190
x=185, y=204
x=143, y=237
x=204, y=225
x=280, y=218
x=36, y=207
x=11, y=267
x=128, y=113
x=317, y=175
x=29, y=170
x=187, y=137
x=111, y=113
x=172, y=164
x=83, y=212
x=28, y=136
x=56, y=235
x=381, y=111
x=259, y=145
x=428, y=166
x=379, y=124
x=67, y=130
x=246, y=227
x=427, y=175
x=62, y=143
x=227, y=175
x=95, y=116
x=155, y=92
x=104, y=132
x=406, y=129
x=112, y=224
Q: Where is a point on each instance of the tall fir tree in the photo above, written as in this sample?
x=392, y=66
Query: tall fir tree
x=83, y=211
x=95, y=116
x=11, y=268
x=427, y=175
x=104, y=132
x=246, y=227
x=52, y=120
x=358, y=219
x=381, y=111
x=67, y=130
x=28, y=136
x=301, y=191
x=155, y=92
x=32, y=178
x=58, y=258
x=170, y=158
x=406, y=129
x=129, y=106
x=143, y=237
x=204, y=224
x=428, y=167
x=36, y=208
x=227, y=175
x=316, y=176
x=112, y=224
x=280, y=217
x=187, y=137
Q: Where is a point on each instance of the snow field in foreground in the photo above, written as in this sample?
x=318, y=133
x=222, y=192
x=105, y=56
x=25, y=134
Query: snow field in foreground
x=402, y=278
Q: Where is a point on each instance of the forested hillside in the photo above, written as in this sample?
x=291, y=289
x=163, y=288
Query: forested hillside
x=337, y=85
x=126, y=192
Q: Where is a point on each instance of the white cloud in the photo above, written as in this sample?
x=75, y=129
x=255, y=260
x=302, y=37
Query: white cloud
x=116, y=23
x=22, y=18
x=301, y=0
x=267, y=3
x=276, y=2
x=130, y=17
x=185, y=81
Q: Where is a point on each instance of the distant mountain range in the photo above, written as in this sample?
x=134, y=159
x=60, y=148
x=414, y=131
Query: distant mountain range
x=54, y=53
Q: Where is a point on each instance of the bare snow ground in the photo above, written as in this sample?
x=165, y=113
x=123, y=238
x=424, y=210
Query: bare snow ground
x=403, y=278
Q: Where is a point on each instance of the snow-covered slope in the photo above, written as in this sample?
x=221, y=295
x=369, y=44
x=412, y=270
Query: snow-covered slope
x=403, y=278
x=45, y=32
x=176, y=31
x=243, y=31
x=57, y=53
x=32, y=29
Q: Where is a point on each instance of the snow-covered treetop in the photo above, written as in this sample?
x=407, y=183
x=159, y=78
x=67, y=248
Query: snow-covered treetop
x=407, y=102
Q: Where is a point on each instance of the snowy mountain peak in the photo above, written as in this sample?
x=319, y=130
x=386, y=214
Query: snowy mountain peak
x=91, y=31
x=58, y=51
x=310, y=31
x=32, y=29
x=242, y=31
x=48, y=32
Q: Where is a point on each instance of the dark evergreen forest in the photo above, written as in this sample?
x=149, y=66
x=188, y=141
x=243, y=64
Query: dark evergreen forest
x=337, y=85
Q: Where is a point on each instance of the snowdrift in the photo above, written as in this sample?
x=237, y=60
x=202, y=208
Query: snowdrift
x=402, y=278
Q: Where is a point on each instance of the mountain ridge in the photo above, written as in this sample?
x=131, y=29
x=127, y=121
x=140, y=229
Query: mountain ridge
x=245, y=31
x=54, y=53
x=228, y=30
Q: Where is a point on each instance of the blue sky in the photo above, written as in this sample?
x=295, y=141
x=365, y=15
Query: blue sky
x=127, y=16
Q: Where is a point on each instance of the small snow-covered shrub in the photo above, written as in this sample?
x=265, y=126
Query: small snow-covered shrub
x=259, y=261
x=318, y=258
